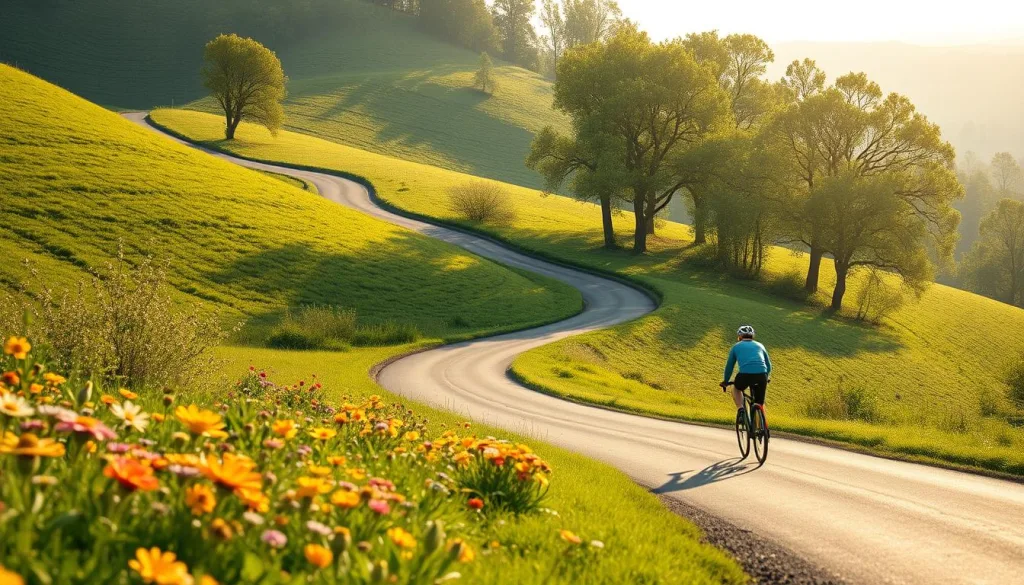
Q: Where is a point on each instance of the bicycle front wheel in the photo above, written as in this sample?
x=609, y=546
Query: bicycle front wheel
x=742, y=434
x=759, y=434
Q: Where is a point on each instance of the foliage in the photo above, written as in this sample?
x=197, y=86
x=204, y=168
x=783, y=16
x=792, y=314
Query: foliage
x=77, y=180
x=123, y=326
x=1015, y=383
x=247, y=81
x=1007, y=174
x=315, y=327
x=467, y=23
x=516, y=35
x=878, y=298
x=264, y=482
x=995, y=264
x=484, y=77
x=482, y=201
x=842, y=403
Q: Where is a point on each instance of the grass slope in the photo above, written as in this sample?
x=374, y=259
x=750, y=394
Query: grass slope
x=76, y=179
x=930, y=370
x=370, y=78
x=644, y=542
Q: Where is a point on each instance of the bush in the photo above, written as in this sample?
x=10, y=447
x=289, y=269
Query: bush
x=877, y=299
x=1015, y=383
x=336, y=329
x=482, y=201
x=124, y=326
x=840, y=403
x=789, y=285
x=386, y=333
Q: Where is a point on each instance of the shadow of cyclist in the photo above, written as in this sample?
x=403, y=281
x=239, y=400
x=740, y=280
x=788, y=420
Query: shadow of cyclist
x=720, y=471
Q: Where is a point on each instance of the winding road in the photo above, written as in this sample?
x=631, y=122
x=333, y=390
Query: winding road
x=863, y=519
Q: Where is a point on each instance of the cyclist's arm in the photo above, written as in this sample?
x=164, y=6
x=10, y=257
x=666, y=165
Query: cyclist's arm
x=768, y=362
x=729, y=365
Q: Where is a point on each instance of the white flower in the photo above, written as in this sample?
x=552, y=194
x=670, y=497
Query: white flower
x=12, y=405
x=131, y=414
x=61, y=414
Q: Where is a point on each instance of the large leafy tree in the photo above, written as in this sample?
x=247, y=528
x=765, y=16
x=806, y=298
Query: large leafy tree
x=852, y=127
x=995, y=264
x=590, y=21
x=649, y=100
x=464, y=22
x=1007, y=174
x=553, y=19
x=247, y=81
x=513, y=21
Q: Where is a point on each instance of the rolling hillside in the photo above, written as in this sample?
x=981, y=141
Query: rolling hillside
x=930, y=376
x=366, y=76
x=75, y=180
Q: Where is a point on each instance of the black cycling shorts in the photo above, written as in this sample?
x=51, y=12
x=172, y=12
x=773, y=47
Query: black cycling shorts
x=758, y=384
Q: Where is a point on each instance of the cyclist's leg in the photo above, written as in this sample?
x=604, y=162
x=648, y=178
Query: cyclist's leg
x=759, y=388
x=742, y=383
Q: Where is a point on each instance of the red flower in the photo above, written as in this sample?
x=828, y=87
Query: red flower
x=475, y=503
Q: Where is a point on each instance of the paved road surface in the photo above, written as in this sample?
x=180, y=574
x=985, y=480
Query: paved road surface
x=866, y=519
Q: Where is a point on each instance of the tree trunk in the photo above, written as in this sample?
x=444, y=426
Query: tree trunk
x=640, y=231
x=814, y=269
x=229, y=129
x=606, y=221
x=649, y=225
x=840, y=290
x=700, y=219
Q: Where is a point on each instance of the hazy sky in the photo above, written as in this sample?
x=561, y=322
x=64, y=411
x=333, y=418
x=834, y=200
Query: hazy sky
x=936, y=22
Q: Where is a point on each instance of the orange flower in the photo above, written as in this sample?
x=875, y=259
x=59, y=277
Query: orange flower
x=207, y=580
x=9, y=578
x=29, y=445
x=54, y=379
x=336, y=460
x=201, y=422
x=131, y=474
x=255, y=500
x=401, y=537
x=162, y=568
x=569, y=536
x=233, y=472
x=462, y=551
x=285, y=429
x=107, y=399
x=318, y=555
x=36, y=388
x=462, y=458
x=201, y=499
x=11, y=378
x=322, y=433
x=128, y=394
x=345, y=499
x=17, y=347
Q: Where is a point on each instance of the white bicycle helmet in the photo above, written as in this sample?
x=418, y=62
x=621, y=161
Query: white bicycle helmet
x=745, y=331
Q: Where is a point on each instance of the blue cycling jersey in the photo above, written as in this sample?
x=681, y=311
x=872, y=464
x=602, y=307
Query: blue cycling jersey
x=751, y=356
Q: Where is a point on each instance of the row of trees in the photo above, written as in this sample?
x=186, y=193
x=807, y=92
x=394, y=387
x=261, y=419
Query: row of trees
x=841, y=170
x=506, y=28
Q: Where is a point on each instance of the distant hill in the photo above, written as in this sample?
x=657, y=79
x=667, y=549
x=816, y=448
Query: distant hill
x=364, y=75
x=975, y=93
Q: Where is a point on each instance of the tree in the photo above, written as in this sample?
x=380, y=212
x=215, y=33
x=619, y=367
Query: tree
x=590, y=21
x=738, y=61
x=484, y=77
x=247, y=81
x=1007, y=174
x=851, y=126
x=979, y=197
x=464, y=22
x=995, y=265
x=559, y=158
x=648, y=101
x=868, y=224
x=803, y=79
x=553, y=20
x=517, y=37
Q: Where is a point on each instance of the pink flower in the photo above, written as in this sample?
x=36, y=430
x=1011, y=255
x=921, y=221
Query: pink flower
x=88, y=426
x=379, y=506
x=274, y=538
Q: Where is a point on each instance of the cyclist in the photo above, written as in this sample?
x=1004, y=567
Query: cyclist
x=755, y=368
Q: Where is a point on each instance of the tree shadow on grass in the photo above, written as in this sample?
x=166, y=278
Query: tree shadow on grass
x=716, y=472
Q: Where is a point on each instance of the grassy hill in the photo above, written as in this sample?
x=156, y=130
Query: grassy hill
x=930, y=376
x=365, y=77
x=76, y=179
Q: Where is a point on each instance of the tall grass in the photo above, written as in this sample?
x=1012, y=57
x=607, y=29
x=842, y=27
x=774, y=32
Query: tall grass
x=334, y=328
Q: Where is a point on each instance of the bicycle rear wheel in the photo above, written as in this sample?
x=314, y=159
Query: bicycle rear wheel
x=759, y=433
x=742, y=434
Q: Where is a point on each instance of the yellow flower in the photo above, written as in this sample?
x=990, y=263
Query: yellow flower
x=201, y=499
x=9, y=578
x=319, y=470
x=254, y=499
x=318, y=555
x=128, y=394
x=412, y=436
x=356, y=473
x=464, y=552
x=401, y=537
x=29, y=445
x=36, y=388
x=322, y=433
x=233, y=472
x=17, y=347
x=284, y=428
x=221, y=529
x=108, y=399
x=201, y=422
x=54, y=379
x=158, y=417
x=162, y=568
x=345, y=499
x=310, y=487
x=207, y=580
x=569, y=536
x=462, y=458
x=336, y=460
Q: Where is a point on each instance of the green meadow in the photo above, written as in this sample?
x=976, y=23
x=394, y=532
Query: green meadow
x=926, y=384
x=368, y=78
x=77, y=180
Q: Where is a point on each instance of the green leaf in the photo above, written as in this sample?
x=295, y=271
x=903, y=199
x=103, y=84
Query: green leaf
x=252, y=567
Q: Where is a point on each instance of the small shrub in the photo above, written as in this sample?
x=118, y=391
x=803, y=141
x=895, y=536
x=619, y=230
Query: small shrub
x=385, y=333
x=482, y=201
x=1015, y=383
x=989, y=403
x=878, y=299
x=505, y=476
x=790, y=286
x=315, y=327
x=124, y=326
x=840, y=403
x=955, y=419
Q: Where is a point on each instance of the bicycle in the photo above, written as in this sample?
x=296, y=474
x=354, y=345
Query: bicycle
x=751, y=416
